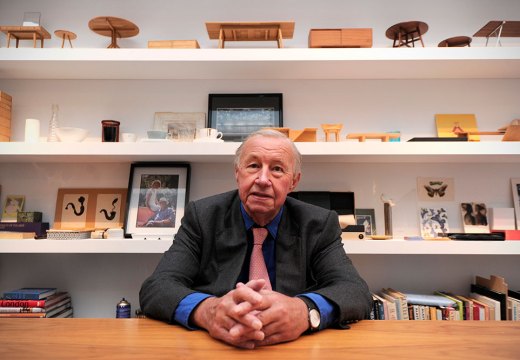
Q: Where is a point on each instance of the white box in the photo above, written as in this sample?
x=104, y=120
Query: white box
x=502, y=218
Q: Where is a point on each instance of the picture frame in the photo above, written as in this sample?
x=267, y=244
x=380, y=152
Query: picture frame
x=175, y=123
x=434, y=222
x=13, y=204
x=474, y=217
x=158, y=192
x=90, y=208
x=515, y=187
x=238, y=115
x=450, y=125
x=367, y=218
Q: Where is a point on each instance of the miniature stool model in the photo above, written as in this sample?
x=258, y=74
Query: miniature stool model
x=332, y=129
x=25, y=33
x=407, y=33
x=457, y=41
x=113, y=27
x=65, y=34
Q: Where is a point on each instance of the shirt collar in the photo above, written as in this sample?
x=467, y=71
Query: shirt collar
x=272, y=227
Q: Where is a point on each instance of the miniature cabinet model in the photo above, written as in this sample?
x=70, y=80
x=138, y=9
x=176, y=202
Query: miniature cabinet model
x=340, y=38
x=250, y=31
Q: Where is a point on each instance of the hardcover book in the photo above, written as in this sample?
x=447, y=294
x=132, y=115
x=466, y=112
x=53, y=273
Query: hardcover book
x=29, y=293
x=44, y=303
x=37, y=227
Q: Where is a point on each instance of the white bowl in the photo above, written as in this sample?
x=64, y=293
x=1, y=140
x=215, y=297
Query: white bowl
x=71, y=134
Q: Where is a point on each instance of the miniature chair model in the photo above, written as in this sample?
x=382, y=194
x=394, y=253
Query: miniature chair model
x=407, y=33
x=457, y=41
x=65, y=34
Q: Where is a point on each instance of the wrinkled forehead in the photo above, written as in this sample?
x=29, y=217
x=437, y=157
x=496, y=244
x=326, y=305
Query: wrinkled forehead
x=268, y=149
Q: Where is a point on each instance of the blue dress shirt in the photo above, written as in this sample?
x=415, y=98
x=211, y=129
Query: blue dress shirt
x=190, y=302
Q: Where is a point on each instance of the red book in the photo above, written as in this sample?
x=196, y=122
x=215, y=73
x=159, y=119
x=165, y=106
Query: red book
x=45, y=303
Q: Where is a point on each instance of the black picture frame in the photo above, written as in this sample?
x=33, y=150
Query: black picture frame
x=143, y=221
x=238, y=115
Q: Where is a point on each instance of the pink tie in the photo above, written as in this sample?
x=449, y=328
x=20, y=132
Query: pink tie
x=257, y=268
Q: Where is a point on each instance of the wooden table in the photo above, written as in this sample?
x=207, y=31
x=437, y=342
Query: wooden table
x=499, y=29
x=150, y=339
x=250, y=31
x=406, y=33
x=114, y=27
x=25, y=33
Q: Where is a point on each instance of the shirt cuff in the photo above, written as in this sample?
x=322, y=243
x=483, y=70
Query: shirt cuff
x=326, y=308
x=185, y=308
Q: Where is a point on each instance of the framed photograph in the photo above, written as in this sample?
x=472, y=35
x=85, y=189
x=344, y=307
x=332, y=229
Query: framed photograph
x=367, y=218
x=179, y=124
x=435, y=189
x=158, y=193
x=515, y=186
x=474, y=217
x=434, y=222
x=238, y=115
x=13, y=205
x=90, y=209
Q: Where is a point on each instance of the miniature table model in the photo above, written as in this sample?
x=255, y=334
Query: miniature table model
x=456, y=41
x=250, y=31
x=499, y=29
x=407, y=33
x=384, y=137
x=65, y=34
x=25, y=33
x=113, y=27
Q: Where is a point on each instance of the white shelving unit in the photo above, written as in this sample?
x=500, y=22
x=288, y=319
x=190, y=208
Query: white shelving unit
x=99, y=272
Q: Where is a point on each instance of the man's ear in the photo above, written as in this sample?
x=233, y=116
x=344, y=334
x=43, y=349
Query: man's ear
x=295, y=181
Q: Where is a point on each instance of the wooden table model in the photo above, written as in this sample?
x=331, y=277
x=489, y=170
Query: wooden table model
x=499, y=29
x=113, y=27
x=456, y=41
x=384, y=137
x=25, y=33
x=407, y=33
x=250, y=31
x=150, y=339
x=65, y=35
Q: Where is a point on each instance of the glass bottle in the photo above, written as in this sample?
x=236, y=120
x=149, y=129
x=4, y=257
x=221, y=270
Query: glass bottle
x=53, y=124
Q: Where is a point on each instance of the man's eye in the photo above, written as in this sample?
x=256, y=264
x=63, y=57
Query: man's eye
x=252, y=166
x=278, y=169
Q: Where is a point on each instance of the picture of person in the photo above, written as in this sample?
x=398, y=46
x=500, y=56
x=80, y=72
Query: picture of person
x=467, y=214
x=151, y=196
x=13, y=205
x=152, y=189
x=481, y=214
x=165, y=217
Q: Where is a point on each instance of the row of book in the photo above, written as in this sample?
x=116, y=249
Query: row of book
x=489, y=299
x=36, y=303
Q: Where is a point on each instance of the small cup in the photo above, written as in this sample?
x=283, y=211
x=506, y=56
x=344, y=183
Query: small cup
x=32, y=130
x=210, y=134
x=128, y=137
x=110, y=130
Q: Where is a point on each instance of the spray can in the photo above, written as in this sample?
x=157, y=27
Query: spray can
x=123, y=309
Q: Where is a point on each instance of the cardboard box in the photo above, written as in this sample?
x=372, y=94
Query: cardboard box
x=173, y=44
x=340, y=38
x=5, y=116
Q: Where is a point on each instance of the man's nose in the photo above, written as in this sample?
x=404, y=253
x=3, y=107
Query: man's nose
x=264, y=176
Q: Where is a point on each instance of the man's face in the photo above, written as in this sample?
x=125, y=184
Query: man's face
x=265, y=177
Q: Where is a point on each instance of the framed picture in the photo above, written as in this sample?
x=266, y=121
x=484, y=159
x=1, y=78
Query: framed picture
x=450, y=125
x=179, y=124
x=515, y=185
x=238, y=115
x=82, y=209
x=434, y=222
x=13, y=205
x=367, y=218
x=158, y=193
x=474, y=217
x=435, y=189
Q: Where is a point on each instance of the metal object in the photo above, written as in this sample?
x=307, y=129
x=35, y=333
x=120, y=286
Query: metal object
x=123, y=309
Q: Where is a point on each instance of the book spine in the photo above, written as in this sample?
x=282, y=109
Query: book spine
x=22, y=303
x=21, y=310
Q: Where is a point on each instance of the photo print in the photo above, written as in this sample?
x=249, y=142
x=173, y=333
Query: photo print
x=474, y=217
x=435, y=189
x=434, y=222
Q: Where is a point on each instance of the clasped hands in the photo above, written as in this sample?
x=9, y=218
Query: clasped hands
x=250, y=316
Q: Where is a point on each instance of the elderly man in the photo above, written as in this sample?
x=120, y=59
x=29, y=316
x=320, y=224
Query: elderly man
x=254, y=267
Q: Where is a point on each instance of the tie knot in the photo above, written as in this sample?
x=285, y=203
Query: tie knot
x=259, y=235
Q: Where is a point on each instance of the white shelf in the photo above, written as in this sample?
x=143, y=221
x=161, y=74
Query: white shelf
x=287, y=63
x=361, y=247
x=346, y=151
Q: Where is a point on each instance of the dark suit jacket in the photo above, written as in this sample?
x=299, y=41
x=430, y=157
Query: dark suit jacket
x=210, y=247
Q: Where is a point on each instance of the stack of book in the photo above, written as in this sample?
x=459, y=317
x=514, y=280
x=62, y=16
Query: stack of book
x=23, y=230
x=35, y=303
x=488, y=299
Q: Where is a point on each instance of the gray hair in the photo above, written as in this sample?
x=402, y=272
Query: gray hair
x=272, y=134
